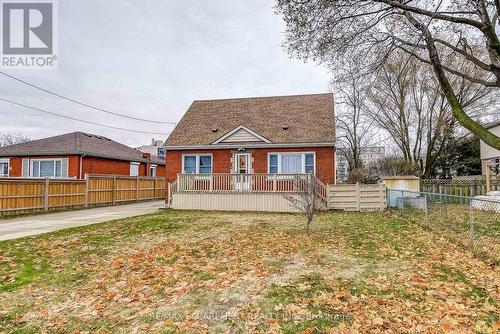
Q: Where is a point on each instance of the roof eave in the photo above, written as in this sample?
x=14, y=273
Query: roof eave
x=247, y=145
x=79, y=153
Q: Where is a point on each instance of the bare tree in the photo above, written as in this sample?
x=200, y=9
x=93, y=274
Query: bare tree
x=7, y=139
x=355, y=129
x=391, y=166
x=409, y=104
x=306, y=197
x=428, y=31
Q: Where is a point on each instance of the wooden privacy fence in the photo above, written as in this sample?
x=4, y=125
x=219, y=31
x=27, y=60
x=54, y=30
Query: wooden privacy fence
x=357, y=197
x=23, y=196
x=467, y=188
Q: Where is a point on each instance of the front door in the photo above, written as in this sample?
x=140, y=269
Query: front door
x=242, y=164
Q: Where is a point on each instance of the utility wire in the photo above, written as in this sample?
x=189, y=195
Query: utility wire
x=82, y=103
x=79, y=120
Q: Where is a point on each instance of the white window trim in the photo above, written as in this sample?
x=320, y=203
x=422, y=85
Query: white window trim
x=151, y=167
x=235, y=168
x=198, y=155
x=280, y=154
x=138, y=168
x=6, y=160
x=32, y=161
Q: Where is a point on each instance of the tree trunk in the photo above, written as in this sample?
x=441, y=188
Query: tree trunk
x=308, y=225
x=458, y=110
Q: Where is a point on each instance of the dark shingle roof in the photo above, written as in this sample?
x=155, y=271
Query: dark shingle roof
x=309, y=118
x=75, y=143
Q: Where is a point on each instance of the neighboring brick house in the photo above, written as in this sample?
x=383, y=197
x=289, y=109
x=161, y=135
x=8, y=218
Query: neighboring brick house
x=75, y=154
x=272, y=135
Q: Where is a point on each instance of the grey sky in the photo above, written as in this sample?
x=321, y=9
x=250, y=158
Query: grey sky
x=151, y=59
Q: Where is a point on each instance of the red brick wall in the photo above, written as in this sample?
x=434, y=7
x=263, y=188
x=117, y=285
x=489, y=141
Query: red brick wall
x=16, y=165
x=221, y=162
x=325, y=164
x=90, y=165
x=93, y=165
x=160, y=170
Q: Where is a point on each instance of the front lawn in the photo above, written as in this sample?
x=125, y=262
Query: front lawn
x=197, y=272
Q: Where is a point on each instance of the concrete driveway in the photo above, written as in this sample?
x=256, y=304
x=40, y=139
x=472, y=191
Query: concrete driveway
x=31, y=225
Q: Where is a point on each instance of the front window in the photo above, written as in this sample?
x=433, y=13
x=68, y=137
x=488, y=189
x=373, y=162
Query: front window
x=197, y=164
x=4, y=168
x=291, y=163
x=273, y=164
x=46, y=168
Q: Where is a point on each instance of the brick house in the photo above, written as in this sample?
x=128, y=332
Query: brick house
x=268, y=135
x=73, y=155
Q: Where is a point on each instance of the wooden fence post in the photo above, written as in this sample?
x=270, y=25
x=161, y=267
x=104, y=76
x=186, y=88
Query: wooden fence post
x=488, y=181
x=86, y=203
x=137, y=188
x=154, y=188
x=358, y=196
x=113, y=194
x=383, y=199
x=46, y=196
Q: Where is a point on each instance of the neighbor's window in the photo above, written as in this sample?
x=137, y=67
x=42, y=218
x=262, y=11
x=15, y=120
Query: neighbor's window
x=134, y=168
x=197, y=164
x=152, y=171
x=46, y=168
x=161, y=153
x=4, y=168
x=291, y=163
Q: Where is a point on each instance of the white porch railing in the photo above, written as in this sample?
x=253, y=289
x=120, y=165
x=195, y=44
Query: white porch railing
x=253, y=183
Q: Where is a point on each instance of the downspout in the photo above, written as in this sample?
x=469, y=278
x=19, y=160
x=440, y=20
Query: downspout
x=81, y=165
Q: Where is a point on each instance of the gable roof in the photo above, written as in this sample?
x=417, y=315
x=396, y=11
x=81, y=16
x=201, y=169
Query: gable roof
x=241, y=134
x=307, y=119
x=75, y=143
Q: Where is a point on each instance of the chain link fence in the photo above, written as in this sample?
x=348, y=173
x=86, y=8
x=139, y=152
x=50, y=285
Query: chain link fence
x=472, y=222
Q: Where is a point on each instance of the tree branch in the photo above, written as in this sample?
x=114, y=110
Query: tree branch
x=460, y=115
